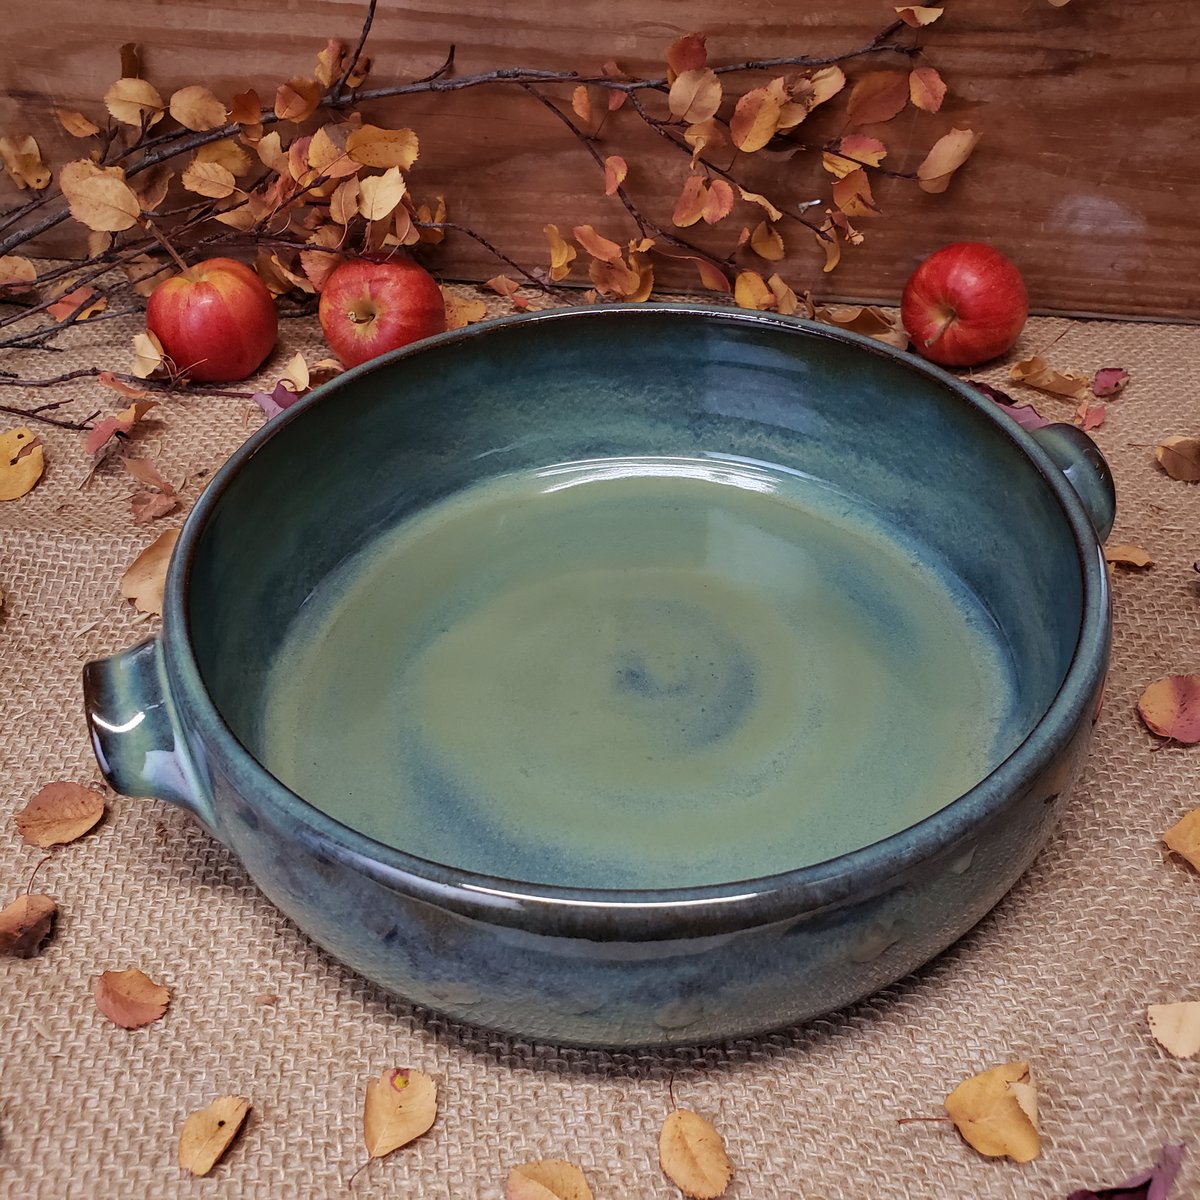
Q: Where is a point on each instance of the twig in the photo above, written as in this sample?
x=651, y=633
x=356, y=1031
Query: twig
x=32, y=415
x=541, y=284
x=336, y=91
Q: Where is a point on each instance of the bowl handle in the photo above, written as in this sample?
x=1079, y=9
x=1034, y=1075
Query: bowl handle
x=138, y=745
x=1080, y=460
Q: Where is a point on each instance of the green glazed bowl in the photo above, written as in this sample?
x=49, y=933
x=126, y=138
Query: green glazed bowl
x=629, y=675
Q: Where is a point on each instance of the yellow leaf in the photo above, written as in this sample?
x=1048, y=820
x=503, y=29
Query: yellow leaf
x=375, y=147
x=597, y=246
x=750, y=291
x=59, y=813
x=562, y=253
x=148, y=354
x=226, y=152
x=134, y=102
x=547, y=1179
x=1183, y=838
x=1176, y=1027
x=378, y=195
x=75, y=123
x=865, y=319
x=853, y=151
x=131, y=998
x=581, y=103
x=16, y=272
x=330, y=62
x=197, y=108
x=1035, y=372
x=831, y=244
x=242, y=217
x=615, y=171
x=1180, y=457
x=693, y=1156
x=877, y=97
x=400, y=1106
x=146, y=577
x=328, y=153
x=917, y=15
x=766, y=242
x=993, y=1116
x=755, y=119
x=852, y=194
x=343, y=204
x=295, y=373
x=695, y=95
x=947, y=155
x=99, y=197
x=208, y=179
x=430, y=235
x=23, y=162
x=462, y=311
x=1125, y=554
x=785, y=298
x=754, y=198
x=297, y=99
x=690, y=205
x=926, y=89
x=826, y=83
x=207, y=1134
x=22, y=462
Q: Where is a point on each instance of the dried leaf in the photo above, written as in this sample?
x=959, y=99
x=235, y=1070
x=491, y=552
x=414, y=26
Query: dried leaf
x=581, y=104
x=297, y=99
x=630, y=279
x=1183, y=838
x=207, y=1134
x=1156, y=1183
x=280, y=398
x=917, y=15
x=328, y=154
x=785, y=299
x=401, y=1105
x=246, y=108
x=1090, y=416
x=22, y=462
x=375, y=147
x=75, y=123
x=853, y=151
x=1109, y=381
x=562, y=254
x=1035, y=372
x=131, y=61
x=99, y=197
x=151, y=186
x=1170, y=707
x=767, y=242
x=461, y=311
x=59, y=813
x=23, y=162
x=226, y=152
x=693, y=1156
x=146, y=577
x=750, y=291
x=947, y=155
x=704, y=135
x=16, y=272
x=104, y=431
x=756, y=118
x=330, y=62
x=1125, y=554
x=695, y=95
x=1180, y=458
x=926, y=89
x=134, y=102
x=687, y=53
x=196, y=108
x=149, y=506
x=144, y=471
x=25, y=925
x=865, y=319
x=378, y=195
x=993, y=1117
x=80, y=303
x=825, y=83
x=877, y=97
x=1176, y=1027
x=130, y=998
x=597, y=246
x=148, y=355
x=615, y=170
x=852, y=195
x=774, y=213
x=208, y=179
x=547, y=1179
x=343, y=204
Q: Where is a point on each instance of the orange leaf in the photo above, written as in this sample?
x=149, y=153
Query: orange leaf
x=877, y=97
x=785, y=298
x=917, y=15
x=1170, y=707
x=330, y=62
x=831, y=244
x=134, y=102
x=826, y=83
x=853, y=151
x=718, y=203
x=750, y=291
x=376, y=147
x=766, y=242
x=756, y=119
x=22, y=461
x=582, y=104
x=562, y=253
x=690, y=206
x=100, y=434
x=852, y=194
x=695, y=95
x=197, y=108
x=692, y=1155
x=461, y=311
x=328, y=152
x=246, y=108
x=547, y=1179
x=1180, y=458
x=1125, y=554
x=704, y=135
x=687, y=53
x=207, y=1134
x=597, y=246
x=947, y=155
x=130, y=998
x=926, y=89
x=25, y=925
x=75, y=123
x=1035, y=372
x=615, y=170
x=59, y=813
x=400, y=1106
x=502, y=285
x=146, y=577
x=81, y=303
x=992, y=1111
x=711, y=275
x=297, y=99
x=1183, y=838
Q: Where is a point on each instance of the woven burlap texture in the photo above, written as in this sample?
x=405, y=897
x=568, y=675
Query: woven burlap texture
x=1059, y=974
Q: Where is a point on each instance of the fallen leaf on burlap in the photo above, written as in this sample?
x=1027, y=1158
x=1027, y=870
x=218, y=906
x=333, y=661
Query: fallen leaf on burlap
x=148, y=355
x=1108, y=381
x=692, y=1155
x=266, y=998
x=1126, y=554
x=104, y=431
x=207, y=1134
x=462, y=310
x=1170, y=707
x=25, y=925
x=22, y=462
x=146, y=576
x=400, y=1106
x=59, y=813
x=868, y=319
x=79, y=303
x=1180, y=458
x=1183, y=838
x=17, y=273
x=947, y=154
x=1089, y=416
x=128, y=390
x=1156, y=1183
x=996, y=1112
x=1025, y=415
x=147, y=506
x=547, y=1179
x=1176, y=1027
x=274, y=402
x=130, y=998
x=1036, y=373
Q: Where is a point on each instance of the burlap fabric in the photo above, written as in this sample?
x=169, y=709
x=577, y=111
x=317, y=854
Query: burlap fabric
x=1059, y=974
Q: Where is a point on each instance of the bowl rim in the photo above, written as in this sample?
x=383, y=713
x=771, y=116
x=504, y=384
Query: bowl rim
x=641, y=914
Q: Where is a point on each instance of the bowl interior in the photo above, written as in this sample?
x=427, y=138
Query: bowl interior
x=635, y=598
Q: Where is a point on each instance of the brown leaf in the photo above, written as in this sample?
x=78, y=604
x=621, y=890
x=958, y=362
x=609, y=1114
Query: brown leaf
x=756, y=118
x=104, y=431
x=877, y=97
x=75, y=123
x=134, y=102
x=615, y=170
x=766, y=242
x=59, y=813
x=852, y=194
x=695, y=95
x=375, y=147
x=947, y=155
x=228, y=154
x=207, y=1134
x=1127, y=555
x=146, y=577
x=130, y=998
x=1035, y=372
x=926, y=89
x=25, y=925
x=547, y=1179
x=1183, y=838
x=149, y=506
x=144, y=471
x=23, y=162
x=378, y=195
x=562, y=253
x=992, y=1111
x=99, y=197
x=148, y=355
x=297, y=99
x=1176, y=1027
x=80, y=303
x=865, y=319
x=246, y=108
x=1170, y=707
x=22, y=462
x=772, y=212
x=151, y=186
x=705, y=135
x=196, y=108
x=597, y=246
x=693, y=1156
x=400, y=1106
x=687, y=53
x=1180, y=458
x=272, y=154
x=917, y=15
x=1089, y=416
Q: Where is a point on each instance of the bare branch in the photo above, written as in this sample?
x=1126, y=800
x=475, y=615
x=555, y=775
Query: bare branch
x=336, y=91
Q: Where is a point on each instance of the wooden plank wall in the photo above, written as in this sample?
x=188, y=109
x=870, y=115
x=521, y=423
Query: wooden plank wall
x=1086, y=174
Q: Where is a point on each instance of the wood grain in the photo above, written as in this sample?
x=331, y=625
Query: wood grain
x=1085, y=175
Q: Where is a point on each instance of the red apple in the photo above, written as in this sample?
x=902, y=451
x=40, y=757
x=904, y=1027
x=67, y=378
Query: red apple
x=966, y=303
x=216, y=320
x=369, y=308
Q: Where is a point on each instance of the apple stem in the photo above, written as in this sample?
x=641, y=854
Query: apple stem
x=947, y=321
x=162, y=239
